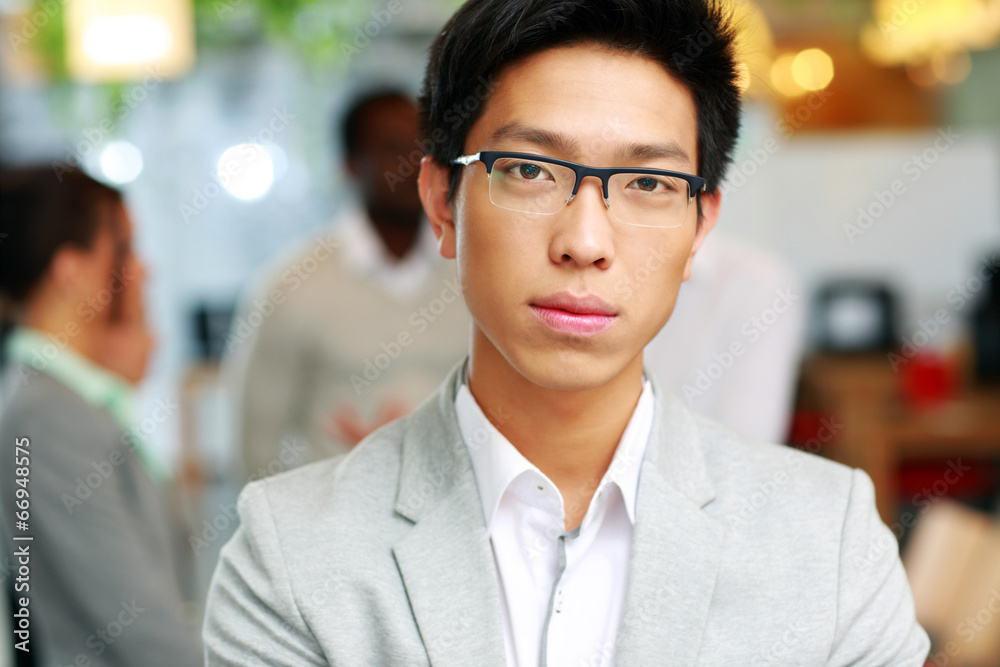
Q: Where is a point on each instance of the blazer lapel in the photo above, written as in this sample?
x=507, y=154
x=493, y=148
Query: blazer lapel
x=676, y=547
x=445, y=560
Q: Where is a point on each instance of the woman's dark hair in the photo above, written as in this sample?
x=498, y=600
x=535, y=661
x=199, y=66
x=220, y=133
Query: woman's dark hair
x=41, y=211
x=691, y=39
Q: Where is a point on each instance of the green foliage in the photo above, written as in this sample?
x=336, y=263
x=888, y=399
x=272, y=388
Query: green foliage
x=44, y=29
x=316, y=29
x=322, y=32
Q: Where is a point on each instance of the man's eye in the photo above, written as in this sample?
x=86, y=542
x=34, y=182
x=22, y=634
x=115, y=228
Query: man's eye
x=653, y=184
x=522, y=170
x=528, y=170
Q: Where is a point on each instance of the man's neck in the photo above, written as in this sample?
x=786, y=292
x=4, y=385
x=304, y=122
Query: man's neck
x=398, y=234
x=571, y=436
x=57, y=320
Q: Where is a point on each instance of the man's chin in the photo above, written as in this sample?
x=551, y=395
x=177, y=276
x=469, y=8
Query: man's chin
x=570, y=370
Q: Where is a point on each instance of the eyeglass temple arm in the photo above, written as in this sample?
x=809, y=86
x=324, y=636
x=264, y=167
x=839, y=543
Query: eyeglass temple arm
x=466, y=160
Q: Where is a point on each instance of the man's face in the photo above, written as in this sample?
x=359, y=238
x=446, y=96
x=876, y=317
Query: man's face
x=517, y=270
x=389, y=134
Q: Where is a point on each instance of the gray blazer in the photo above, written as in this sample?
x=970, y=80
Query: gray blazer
x=744, y=553
x=104, y=571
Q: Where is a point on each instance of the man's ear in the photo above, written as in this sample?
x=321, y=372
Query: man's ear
x=433, y=186
x=66, y=267
x=710, y=202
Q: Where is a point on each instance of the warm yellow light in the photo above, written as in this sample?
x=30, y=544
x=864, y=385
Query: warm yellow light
x=781, y=76
x=120, y=40
x=951, y=68
x=754, y=45
x=812, y=69
x=878, y=48
x=912, y=31
x=942, y=69
x=742, y=76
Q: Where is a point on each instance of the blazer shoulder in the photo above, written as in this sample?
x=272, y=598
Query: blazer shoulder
x=744, y=469
x=42, y=408
x=355, y=489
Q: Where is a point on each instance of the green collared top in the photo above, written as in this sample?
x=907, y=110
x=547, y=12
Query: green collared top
x=94, y=384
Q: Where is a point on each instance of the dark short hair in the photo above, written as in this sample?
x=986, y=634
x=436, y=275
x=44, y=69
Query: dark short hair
x=692, y=39
x=41, y=210
x=352, y=124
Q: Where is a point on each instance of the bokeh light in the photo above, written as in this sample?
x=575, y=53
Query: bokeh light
x=246, y=171
x=812, y=69
x=120, y=162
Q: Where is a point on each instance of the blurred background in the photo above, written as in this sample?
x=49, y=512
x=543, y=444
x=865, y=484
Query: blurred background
x=868, y=168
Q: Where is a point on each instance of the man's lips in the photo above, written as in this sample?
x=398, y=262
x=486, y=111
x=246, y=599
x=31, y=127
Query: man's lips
x=578, y=315
x=577, y=304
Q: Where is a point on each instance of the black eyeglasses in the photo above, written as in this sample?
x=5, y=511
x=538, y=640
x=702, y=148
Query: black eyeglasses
x=541, y=185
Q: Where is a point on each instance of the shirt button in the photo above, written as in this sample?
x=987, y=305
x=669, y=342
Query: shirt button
x=541, y=488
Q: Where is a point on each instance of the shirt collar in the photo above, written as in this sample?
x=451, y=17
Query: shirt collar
x=499, y=467
x=95, y=385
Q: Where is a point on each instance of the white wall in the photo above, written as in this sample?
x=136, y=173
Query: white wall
x=803, y=193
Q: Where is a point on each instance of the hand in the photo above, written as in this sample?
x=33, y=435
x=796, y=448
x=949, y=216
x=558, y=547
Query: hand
x=344, y=422
x=126, y=341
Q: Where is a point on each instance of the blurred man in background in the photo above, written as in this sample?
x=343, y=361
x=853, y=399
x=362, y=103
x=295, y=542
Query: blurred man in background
x=358, y=325
x=107, y=582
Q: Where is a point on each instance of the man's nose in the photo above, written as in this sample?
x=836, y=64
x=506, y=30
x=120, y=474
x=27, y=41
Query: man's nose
x=583, y=233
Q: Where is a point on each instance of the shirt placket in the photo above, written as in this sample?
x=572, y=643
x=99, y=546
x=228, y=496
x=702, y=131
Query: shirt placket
x=556, y=595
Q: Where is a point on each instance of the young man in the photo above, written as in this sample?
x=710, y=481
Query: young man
x=551, y=504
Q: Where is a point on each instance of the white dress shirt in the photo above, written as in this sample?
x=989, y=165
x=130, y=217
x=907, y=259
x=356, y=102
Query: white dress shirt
x=561, y=593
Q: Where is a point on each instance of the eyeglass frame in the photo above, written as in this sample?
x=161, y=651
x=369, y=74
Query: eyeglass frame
x=696, y=184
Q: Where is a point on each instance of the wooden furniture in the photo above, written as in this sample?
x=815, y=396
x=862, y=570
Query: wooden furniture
x=953, y=564
x=877, y=429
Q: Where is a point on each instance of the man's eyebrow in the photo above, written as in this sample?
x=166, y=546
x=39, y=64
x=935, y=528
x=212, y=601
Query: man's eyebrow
x=552, y=141
x=555, y=142
x=670, y=150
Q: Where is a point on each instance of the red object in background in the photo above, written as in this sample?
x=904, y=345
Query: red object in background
x=812, y=431
x=927, y=380
x=959, y=477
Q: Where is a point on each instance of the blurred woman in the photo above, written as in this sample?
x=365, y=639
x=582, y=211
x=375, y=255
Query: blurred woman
x=105, y=574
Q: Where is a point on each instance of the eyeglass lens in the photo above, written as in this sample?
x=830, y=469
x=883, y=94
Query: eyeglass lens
x=648, y=200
